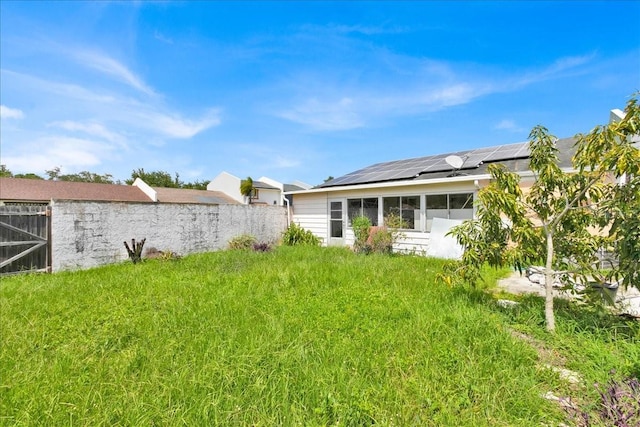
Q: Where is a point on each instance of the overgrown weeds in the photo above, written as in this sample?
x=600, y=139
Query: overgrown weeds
x=300, y=336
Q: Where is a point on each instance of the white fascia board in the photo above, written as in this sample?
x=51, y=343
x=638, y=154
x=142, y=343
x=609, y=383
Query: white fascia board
x=392, y=184
x=453, y=179
x=146, y=189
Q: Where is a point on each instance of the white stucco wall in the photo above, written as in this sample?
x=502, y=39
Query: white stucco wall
x=89, y=234
x=228, y=184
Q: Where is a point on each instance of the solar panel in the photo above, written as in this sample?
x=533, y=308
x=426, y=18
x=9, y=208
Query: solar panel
x=409, y=168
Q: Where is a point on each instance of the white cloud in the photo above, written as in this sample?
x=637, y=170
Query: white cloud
x=10, y=113
x=401, y=86
x=325, y=115
x=161, y=37
x=508, y=125
x=174, y=126
x=93, y=129
x=282, y=162
x=110, y=66
x=560, y=68
x=48, y=152
x=94, y=111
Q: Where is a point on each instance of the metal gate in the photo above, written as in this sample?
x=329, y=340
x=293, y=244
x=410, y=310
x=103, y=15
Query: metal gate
x=25, y=239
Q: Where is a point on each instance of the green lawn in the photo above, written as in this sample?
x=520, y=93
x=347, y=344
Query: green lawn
x=298, y=336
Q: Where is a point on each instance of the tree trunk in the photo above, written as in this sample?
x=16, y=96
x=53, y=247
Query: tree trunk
x=549, y=277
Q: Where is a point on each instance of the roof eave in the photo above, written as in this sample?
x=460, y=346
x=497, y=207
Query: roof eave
x=411, y=183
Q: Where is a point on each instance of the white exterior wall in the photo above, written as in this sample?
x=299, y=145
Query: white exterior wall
x=271, y=197
x=311, y=210
x=228, y=184
x=89, y=234
x=268, y=196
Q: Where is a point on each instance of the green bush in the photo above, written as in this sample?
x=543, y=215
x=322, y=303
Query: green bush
x=243, y=242
x=381, y=240
x=296, y=235
x=361, y=228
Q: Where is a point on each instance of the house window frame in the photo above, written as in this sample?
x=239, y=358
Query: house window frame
x=471, y=208
x=374, y=221
x=417, y=222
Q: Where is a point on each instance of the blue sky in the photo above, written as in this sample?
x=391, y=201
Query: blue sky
x=300, y=91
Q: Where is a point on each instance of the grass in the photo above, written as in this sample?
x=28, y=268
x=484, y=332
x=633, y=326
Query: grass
x=297, y=336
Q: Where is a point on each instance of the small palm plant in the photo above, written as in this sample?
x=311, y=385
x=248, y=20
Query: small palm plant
x=246, y=188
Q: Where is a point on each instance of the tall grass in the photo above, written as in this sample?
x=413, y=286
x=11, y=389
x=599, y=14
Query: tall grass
x=297, y=336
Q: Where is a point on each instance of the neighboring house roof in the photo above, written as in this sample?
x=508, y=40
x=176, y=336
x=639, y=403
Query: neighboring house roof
x=182, y=195
x=36, y=190
x=292, y=187
x=476, y=161
x=264, y=185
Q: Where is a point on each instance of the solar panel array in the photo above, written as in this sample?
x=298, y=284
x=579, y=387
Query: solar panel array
x=410, y=168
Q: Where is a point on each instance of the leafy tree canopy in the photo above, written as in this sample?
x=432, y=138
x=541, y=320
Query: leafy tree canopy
x=563, y=218
x=246, y=187
x=84, y=176
x=155, y=178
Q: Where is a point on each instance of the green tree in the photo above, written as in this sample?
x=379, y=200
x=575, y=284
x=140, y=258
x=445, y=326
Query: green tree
x=29, y=175
x=196, y=185
x=565, y=217
x=246, y=188
x=84, y=176
x=155, y=178
x=5, y=172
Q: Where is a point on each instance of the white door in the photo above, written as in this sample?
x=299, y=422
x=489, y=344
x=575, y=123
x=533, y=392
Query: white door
x=336, y=222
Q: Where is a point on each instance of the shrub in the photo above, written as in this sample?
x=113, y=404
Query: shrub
x=381, y=240
x=296, y=235
x=242, y=242
x=361, y=228
x=377, y=239
x=619, y=405
x=262, y=247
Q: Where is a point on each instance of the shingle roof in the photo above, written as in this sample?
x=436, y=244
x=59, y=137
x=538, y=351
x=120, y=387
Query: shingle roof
x=292, y=187
x=514, y=156
x=263, y=185
x=182, y=195
x=36, y=190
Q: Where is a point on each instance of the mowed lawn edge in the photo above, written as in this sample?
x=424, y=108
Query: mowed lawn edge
x=297, y=336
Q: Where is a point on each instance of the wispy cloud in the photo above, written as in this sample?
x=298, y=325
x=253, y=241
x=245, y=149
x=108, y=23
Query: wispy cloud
x=174, y=126
x=340, y=114
x=90, y=128
x=111, y=67
x=10, y=113
x=403, y=86
x=161, y=37
x=67, y=152
x=562, y=67
x=508, y=125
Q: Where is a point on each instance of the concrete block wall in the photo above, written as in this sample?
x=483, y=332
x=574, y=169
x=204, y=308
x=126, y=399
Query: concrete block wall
x=89, y=234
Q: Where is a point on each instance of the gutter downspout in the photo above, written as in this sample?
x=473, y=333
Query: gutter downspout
x=284, y=198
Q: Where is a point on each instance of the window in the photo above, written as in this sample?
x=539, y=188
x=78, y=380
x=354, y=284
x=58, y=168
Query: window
x=363, y=207
x=336, y=220
x=449, y=206
x=255, y=194
x=407, y=207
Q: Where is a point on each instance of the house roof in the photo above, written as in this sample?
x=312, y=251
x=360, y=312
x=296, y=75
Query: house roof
x=264, y=185
x=476, y=161
x=292, y=187
x=36, y=190
x=182, y=195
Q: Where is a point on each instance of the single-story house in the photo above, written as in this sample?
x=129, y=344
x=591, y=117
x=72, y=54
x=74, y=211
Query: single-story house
x=21, y=191
x=434, y=191
x=36, y=191
x=265, y=190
